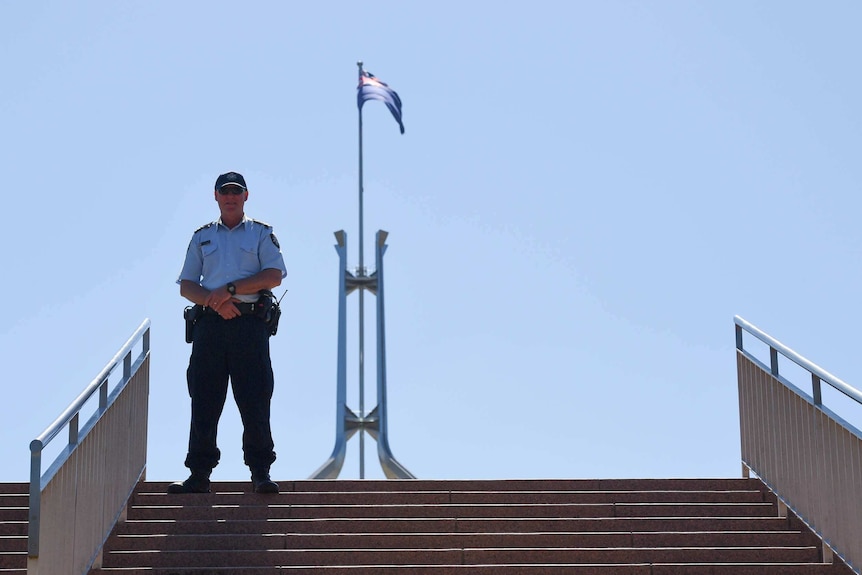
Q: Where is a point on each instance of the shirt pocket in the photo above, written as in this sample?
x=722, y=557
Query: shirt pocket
x=249, y=262
x=210, y=255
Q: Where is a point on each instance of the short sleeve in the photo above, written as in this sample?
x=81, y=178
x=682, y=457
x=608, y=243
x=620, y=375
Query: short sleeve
x=193, y=264
x=269, y=252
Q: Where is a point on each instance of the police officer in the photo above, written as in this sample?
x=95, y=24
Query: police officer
x=228, y=262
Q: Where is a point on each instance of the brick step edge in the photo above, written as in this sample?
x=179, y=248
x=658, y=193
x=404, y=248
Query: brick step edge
x=559, y=569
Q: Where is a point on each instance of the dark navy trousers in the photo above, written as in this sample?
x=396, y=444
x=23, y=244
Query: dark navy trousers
x=238, y=350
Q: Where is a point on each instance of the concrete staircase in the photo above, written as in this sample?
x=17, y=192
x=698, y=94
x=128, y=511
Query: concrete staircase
x=13, y=528
x=506, y=527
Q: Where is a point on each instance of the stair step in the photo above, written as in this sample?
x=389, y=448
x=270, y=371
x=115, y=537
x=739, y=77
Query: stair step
x=13, y=528
x=560, y=569
x=319, y=498
x=276, y=540
x=405, y=557
x=14, y=514
x=421, y=525
x=518, y=485
x=14, y=500
x=13, y=559
x=13, y=543
x=14, y=488
x=254, y=510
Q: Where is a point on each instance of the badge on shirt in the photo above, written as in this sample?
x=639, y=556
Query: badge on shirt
x=275, y=241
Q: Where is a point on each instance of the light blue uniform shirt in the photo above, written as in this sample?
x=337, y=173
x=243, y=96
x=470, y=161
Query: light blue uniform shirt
x=218, y=255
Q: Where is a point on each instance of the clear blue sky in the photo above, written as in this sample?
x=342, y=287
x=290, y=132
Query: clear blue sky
x=585, y=196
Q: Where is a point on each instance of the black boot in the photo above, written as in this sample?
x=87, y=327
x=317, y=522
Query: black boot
x=198, y=482
x=262, y=483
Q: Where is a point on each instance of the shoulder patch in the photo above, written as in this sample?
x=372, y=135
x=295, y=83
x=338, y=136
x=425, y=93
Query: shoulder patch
x=264, y=224
x=203, y=227
x=274, y=240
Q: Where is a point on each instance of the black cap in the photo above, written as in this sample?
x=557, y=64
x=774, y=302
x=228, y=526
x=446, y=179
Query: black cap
x=230, y=179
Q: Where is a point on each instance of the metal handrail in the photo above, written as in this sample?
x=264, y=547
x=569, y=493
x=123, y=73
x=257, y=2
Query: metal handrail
x=70, y=418
x=95, y=385
x=801, y=449
x=816, y=371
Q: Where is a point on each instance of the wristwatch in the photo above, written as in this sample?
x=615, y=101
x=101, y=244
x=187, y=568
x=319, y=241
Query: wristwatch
x=231, y=289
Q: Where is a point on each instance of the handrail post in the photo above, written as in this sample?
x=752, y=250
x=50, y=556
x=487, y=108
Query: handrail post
x=35, y=511
x=73, y=429
x=103, y=396
x=773, y=360
x=816, y=391
x=127, y=366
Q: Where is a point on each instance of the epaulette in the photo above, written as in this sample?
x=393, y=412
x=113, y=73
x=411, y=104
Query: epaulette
x=264, y=224
x=203, y=227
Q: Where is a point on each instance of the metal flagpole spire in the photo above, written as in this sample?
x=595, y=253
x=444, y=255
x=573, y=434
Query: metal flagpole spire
x=361, y=273
x=375, y=422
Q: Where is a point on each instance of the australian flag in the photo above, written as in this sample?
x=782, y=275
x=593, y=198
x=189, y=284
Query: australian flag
x=370, y=88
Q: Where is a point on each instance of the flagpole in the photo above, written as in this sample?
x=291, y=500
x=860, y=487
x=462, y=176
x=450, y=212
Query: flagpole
x=361, y=273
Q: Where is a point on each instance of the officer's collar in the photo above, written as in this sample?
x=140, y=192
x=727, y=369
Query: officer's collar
x=245, y=219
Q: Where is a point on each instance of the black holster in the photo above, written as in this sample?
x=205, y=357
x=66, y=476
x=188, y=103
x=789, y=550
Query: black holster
x=269, y=310
x=191, y=315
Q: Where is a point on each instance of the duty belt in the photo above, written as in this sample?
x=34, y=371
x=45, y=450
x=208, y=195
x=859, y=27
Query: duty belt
x=245, y=308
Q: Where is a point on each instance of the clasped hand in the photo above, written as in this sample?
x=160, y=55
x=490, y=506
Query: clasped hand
x=221, y=301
